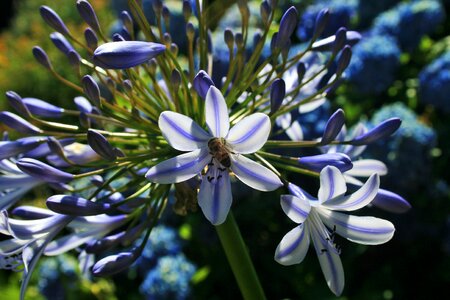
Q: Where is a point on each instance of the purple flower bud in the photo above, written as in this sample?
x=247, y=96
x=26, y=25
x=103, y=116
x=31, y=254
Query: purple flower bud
x=43, y=149
x=340, y=40
x=228, y=37
x=43, y=109
x=317, y=162
x=344, y=60
x=187, y=10
x=256, y=39
x=333, y=127
x=327, y=44
x=43, y=171
x=76, y=206
x=114, y=263
x=127, y=54
x=277, y=93
x=88, y=14
x=31, y=212
x=91, y=38
x=100, y=145
x=83, y=105
x=321, y=23
x=53, y=19
x=55, y=146
x=126, y=20
x=17, y=123
x=301, y=71
x=41, y=57
x=190, y=31
x=17, y=102
x=105, y=243
x=175, y=78
x=74, y=58
x=265, y=11
x=61, y=42
x=391, y=202
x=384, y=129
x=10, y=149
x=91, y=89
x=202, y=83
x=287, y=26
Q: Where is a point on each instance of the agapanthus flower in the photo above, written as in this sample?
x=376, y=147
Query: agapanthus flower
x=321, y=218
x=219, y=149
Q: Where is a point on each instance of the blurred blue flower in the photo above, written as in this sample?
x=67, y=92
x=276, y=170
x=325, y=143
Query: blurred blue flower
x=341, y=11
x=169, y=279
x=374, y=63
x=408, y=22
x=52, y=272
x=368, y=10
x=434, y=83
x=408, y=149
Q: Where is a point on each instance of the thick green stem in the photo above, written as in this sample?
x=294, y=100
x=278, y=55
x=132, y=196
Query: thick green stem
x=239, y=259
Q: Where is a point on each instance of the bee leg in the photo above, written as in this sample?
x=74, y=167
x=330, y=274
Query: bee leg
x=211, y=162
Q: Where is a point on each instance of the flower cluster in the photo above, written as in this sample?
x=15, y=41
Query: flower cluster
x=154, y=116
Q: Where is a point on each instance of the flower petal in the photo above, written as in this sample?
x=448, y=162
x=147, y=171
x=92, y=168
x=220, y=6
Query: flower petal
x=179, y=168
x=216, y=113
x=250, y=133
x=295, y=208
x=358, y=199
x=366, y=167
x=332, y=184
x=293, y=247
x=362, y=230
x=329, y=260
x=253, y=174
x=181, y=132
x=215, y=198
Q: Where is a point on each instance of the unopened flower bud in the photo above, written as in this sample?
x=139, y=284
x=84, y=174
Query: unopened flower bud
x=61, y=42
x=265, y=12
x=344, y=60
x=114, y=263
x=91, y=38
x=76, y=206
x=42, y=108
x=288, y=24
x=41, y=56
x=381, y=131
x=87, y=13
x=317, y=162
x=187, y=10
x=91, y=89
x=17, y=102
x=43, y=171
x=277, y=93
x=100, y=145
x=175, y=79
x=190, y=31
x=53, y=19
x=126, y=54
x=228, y=37
x=321, y=23
x=202, y=83
x=333, y=127
x=17, y=123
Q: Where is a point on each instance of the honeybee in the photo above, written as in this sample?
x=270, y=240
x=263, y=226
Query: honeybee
x=219, y=149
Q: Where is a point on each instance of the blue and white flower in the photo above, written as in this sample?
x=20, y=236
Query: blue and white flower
x=246, y=137
x=321, y=218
